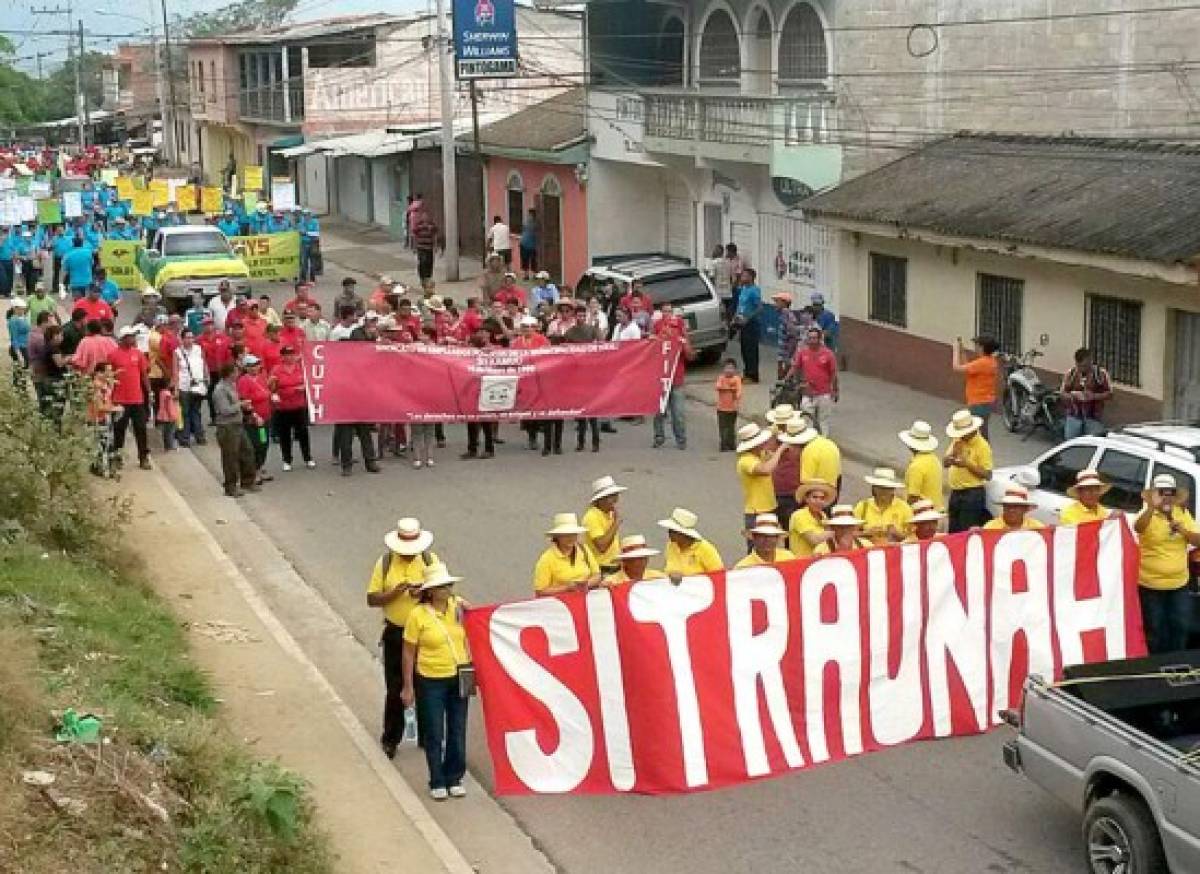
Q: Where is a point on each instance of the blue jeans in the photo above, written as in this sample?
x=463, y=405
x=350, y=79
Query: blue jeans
x=193, y=420
x=1074, y=426
x=1166, y=615
x=442, y=725
x=678, y=424
x=306, y=263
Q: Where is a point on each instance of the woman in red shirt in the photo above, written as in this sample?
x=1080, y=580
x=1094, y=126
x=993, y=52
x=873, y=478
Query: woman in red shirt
x=291, y=406
x=252, y=387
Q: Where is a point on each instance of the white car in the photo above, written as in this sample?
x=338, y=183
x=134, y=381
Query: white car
x=1128, y=458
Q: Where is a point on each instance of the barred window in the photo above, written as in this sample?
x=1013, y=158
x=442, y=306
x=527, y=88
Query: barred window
x=889, y=290
x=802, y=52
x=1114, y=334
x=720, y=52
x=999, y=304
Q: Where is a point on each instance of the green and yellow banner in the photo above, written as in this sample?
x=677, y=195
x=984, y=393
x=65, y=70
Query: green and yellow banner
x=119, y=259
x=270, y=256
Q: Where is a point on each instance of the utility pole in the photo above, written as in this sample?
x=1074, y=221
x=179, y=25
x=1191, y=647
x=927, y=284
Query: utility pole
x=449, y=174
x=79, y=90
x=173, y=145
x=79, y=101
x=479, y=161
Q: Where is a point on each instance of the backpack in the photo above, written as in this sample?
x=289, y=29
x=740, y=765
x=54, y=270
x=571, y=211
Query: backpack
x=385, y=561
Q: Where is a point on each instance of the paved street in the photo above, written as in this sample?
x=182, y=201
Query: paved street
x=948, y=806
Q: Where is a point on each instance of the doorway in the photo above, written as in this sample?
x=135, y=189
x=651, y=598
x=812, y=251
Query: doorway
x=550, y=221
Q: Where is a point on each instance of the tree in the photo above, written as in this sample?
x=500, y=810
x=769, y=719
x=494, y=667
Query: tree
x=22, y=98
x=60, y=85
x=241, y=15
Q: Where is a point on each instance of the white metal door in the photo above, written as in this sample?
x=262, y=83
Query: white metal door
x=797, y=256
x=679, y=228
x=1186, y=396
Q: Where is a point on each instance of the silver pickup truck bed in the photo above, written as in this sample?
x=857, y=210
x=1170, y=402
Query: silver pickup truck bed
x=1115, y=742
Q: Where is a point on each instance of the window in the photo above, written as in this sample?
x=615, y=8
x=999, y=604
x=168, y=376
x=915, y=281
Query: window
x=1183, y=480
x=999, y=307
x=803, y=55
x=1114, y=334
x=1057, y=472
x=358, y=53
x=889, y=290
x=671, y=52
x=212, y=74
x=1127, y=475
x=720, y=53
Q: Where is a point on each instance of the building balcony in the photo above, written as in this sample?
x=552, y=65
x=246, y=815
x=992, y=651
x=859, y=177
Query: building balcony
x=272, y=104
x=735, y=127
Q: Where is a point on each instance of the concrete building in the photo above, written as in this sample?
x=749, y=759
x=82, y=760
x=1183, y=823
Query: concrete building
x=131, y=89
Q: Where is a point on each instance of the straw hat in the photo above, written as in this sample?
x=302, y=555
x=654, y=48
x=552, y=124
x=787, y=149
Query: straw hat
x=883, y=478
x=605, y=486
x=1087, y=479
x=409, y=538
x=799, y=431
x=634, y=546
x=682, y=522
x=435, y=304
x=752, y=436
x=925, y=511
x=565, y=524
x=963, y=423
x=436, y=576
x=780, y=414
x=842, y=516
x=919, y=437
x=1016, y=496
x=768, y=524
x=815, y=485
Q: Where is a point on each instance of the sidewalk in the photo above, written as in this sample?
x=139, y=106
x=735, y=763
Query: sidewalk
x=276, y=699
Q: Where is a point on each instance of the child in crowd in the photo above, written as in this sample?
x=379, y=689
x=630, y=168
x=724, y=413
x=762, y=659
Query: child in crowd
x=102, y=413
x=729, y=399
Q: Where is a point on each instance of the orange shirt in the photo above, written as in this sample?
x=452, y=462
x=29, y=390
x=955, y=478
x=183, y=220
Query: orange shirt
x=981, y=380
x=729, y=393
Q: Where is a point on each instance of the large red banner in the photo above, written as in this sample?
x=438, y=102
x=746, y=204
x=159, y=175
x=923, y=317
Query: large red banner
x=419, y=383
x=656, y=687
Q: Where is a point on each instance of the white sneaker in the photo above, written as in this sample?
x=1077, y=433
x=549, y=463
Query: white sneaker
x=457, y=791
x=310, y=464
x=286, y=467
x=417, y=466
x=429, y=462
x=439, y=794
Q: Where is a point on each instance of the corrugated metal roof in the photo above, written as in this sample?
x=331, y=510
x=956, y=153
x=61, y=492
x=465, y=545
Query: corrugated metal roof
x=306, y=30
x=1132, y=198
x=551, y=125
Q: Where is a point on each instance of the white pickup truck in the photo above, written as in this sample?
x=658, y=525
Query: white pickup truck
x=1120, y=743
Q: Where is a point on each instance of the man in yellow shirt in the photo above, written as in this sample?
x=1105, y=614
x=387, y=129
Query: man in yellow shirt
x=1087, y=492
x=885, y=518
x=925, y=522
x=566, y=565
x=634, y=557
x=807, y=529
x=923, y=478
x=1014, y=512
x=1165, y=530
x=755, y=463
x=603, y=523
x=821, y=459
x=688, y=553
x=846, y=529
x=969, y=461
x=394, y=581
x=765, y=536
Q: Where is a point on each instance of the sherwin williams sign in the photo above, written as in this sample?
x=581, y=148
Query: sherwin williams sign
x=485, y=39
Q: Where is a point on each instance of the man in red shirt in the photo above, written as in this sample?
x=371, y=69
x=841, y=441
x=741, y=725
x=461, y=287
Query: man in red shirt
x=167, y=344
x=817, y=367
x=407, y=319
x=303, y=299
x=270, y=350
x=292, y=334
x=669, y=325
x=93, y=350
x=469, y=322
x=510, y=292
x=254, y=323
x=131, y=371
x=95, y=307
x=673, y=329
x=530, y=337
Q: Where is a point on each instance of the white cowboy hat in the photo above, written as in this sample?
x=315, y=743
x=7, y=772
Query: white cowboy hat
x=18, y=302
x=1088, y=479
x=604, y=487
x=409, y=538
x=780, y=414
x=919, y=437
x=815, y=485
x=752, y=436
x=799, y=431
x=963, y=423
x=541, y=274
x=1017, y=496
x=842, y=516
x=925, y=511
x=883, y=478
x=564, y=524
x=634, y=546
x=436, y=576
x=1163, y=481
x=768, y=524
x=127, y=331
x=682, y=522
x=435, y=305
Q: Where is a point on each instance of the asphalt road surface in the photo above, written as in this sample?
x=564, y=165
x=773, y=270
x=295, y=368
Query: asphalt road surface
x=945, y=806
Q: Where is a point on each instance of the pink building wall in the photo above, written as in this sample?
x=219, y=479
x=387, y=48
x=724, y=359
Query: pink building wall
x=573, y=211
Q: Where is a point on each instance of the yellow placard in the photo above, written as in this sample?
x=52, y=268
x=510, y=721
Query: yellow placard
x=212, y=200
x=119, y=259
x=160, y=191
x=125, y=188
x=254, y=178
x=185, y=198
x=142, y=203
x=270, y=256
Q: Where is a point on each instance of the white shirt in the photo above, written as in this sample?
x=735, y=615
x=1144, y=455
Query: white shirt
x=189, y=365
x=220, y=310
x=600, y=320
x=629, y=331
x=500, y=236
x=341, y=332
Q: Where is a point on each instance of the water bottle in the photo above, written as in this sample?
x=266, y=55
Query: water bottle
x=410, y=726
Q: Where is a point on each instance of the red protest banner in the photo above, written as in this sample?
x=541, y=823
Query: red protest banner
x=368, y=382
x=657, y=688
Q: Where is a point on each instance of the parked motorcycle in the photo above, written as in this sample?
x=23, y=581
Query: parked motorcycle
x=1028, y=403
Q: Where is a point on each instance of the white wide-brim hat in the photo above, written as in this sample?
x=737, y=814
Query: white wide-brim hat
x=780, y=414
x=1088, y=479
x=565, y=524
x=767, y=524
x=752, y=436
x=436, y=576
x=842, y=516
x=682, y=522
x=634, y=546
x=605, y=486
x=925, y=511
x=883, y=478
x=919, y=437
x=409, y=538
x=963, y=423
x=815, y=485
x=1017, y=496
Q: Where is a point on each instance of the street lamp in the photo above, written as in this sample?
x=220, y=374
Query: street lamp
x=168, y=129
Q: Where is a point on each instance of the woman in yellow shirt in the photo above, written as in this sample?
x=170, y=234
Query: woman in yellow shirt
x=846, y=529
x=1087, y=492
x=1165, y=531
x=435, y=647
x=765, y=535
x=885, y=517
x=807, y=529
x=688, y=553
x=603, y=523
x=634, y=559
x=1014, y=512
x=755, y=463
x=566, y=565
x=923, y=477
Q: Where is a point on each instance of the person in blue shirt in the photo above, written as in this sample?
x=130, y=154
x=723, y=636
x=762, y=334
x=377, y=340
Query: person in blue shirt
x=110, y=292
x=310, y=240
x=93, y=237
x=63, y=244
x=18, y=334
x=544, y=292
x=258, y=221
x=194, y=317
x=113, y=210
x=278, y=223
x=749, y=322
x=825, y=320
x=24, y=257
x=119, y=229
x=6, y=265
x=87, y=197
x=229, y=225
x=77, y=264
